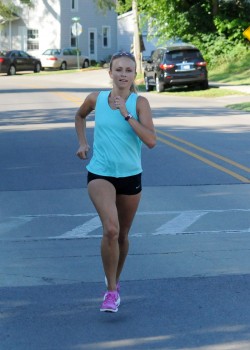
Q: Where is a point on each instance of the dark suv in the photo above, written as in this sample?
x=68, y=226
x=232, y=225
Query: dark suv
x=175, y=65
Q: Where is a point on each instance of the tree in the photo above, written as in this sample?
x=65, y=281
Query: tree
x=8, y=9
x=194, y=18
x=124, y=5
x=215, y=7
x=136, y=41
x=105, y=5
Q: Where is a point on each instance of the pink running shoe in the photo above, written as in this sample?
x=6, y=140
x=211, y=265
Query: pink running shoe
x=111, y=301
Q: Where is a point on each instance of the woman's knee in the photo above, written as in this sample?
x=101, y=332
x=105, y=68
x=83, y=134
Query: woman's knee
x=123, y=238
x=111, y=231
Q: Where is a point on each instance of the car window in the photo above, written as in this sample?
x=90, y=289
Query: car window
x=3, y=53
x=55, y=52
x=155, y=55
x=51, y=52
x=184, y=55
x=47, y=52
x=175, y=56
x=66, y=52
x=23, y=54
x=14, y=54
x=161, y=55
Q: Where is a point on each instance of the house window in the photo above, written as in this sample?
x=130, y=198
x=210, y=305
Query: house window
x=92, y=43
x=74, y=5
x=33, y=39
x=106, y=37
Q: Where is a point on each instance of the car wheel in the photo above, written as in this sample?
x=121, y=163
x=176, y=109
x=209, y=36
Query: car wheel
x=12, y=70
x=148, y=87
x=37, y=68
x=204, y=85
x=63, y=66
x=159, y=85
x=85, y=64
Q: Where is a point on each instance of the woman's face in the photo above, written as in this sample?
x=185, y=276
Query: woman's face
x=123, y=72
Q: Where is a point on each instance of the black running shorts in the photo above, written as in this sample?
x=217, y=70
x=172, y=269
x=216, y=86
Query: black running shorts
x=124, y=185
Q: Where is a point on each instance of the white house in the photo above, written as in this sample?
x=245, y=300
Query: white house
x=125, y=33
x=49, y=25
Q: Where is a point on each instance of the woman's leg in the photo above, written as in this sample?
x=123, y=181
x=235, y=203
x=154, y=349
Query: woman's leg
x=126, y=206
x=103, y=195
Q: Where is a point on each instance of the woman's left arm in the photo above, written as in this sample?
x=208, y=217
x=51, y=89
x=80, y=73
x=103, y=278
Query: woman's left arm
x=144, y=128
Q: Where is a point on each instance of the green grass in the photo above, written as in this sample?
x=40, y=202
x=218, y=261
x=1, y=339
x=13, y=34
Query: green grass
x=209, y=93
x=236, y=72
x=245, y=107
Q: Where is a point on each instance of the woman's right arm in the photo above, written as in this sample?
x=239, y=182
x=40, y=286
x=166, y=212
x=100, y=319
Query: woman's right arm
x=80, y=124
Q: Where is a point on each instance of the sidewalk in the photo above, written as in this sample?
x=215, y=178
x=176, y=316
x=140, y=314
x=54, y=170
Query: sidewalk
x=241, y=88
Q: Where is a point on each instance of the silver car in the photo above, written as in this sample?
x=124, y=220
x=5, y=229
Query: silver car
x=63, y=59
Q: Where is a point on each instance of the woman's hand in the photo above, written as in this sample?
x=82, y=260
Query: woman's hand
x=120, y=104
x=82, y=152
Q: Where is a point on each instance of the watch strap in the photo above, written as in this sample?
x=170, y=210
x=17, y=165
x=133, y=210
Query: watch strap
x=129, y=116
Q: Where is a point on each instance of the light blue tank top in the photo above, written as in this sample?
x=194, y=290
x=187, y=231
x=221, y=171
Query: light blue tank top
x=117, y=148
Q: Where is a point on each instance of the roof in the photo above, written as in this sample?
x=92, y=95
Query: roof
x=13, y=17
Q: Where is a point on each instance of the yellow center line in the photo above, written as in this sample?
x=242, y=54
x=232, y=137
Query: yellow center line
x=227, y=160
x=67, y=97
x=204, y=160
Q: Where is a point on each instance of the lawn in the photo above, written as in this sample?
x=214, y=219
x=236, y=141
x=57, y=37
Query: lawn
x=233, y=73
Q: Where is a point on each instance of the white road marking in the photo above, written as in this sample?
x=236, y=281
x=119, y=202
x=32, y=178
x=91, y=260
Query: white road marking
x=82, y=230
x=177, y=225
x=13, y=223
x=180, y=223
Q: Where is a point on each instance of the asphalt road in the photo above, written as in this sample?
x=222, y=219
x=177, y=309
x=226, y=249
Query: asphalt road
x=186, y=282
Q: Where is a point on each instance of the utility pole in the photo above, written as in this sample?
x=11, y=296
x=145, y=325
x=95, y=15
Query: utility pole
x=136, y=43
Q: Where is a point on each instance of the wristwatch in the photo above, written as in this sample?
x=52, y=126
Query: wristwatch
x=129, y=116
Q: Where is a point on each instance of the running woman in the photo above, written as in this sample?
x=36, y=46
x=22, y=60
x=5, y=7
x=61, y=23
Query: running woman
x=123, y=121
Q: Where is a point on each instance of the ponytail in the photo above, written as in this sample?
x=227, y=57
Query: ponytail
x=133, y=88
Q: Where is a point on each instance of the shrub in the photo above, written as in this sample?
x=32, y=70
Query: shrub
x=216, y=49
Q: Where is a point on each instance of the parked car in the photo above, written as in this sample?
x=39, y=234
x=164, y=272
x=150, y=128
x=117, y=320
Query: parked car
x=145, y=59
x=175, y=65
x=15, y=61
x=63, y=59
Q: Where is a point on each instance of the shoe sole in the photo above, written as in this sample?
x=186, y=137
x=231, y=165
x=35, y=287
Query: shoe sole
x=109, y=310
x=118, y=302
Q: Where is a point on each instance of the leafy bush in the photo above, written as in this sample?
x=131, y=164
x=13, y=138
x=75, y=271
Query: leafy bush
x=217, y=49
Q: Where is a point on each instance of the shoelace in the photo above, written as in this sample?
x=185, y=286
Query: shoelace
x=110, y=297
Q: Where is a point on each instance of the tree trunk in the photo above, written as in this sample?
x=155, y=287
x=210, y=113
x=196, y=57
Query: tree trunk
x=215, y=7
x=136, y=43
